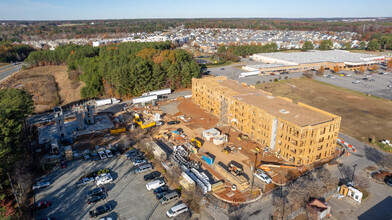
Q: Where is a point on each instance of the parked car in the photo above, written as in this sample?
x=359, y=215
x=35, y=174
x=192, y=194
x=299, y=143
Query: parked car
x=84, y=181
x=365, y=79
x=390, y=85
x=331, y=76
x=64, y=164
x=102, y=155
x=100, y=210
x=139, y=162
x=356, y=81
x=371, y=80
x=109, y=153
x=176, y=210
x=132, y=153
x=389, y=181
x=152, y=176
x=347, y=74
x=96, y=198
x=263, y=176
x=143, y=168
x=41, y=184
x=95, y=156
x=170, y=197
x=154, y=184
x=173, y=122
x=139, y=157
x=161, y=195
x=103, y=179
x=116, y=151
x=42, y=205
x=95, y=191
x=161, y=189
x=87, y=158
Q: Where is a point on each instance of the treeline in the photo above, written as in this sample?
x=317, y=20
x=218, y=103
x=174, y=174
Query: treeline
x=12, y=52
x=381, y=41
x=15, y=105
x=232, y=52
x=126, y=69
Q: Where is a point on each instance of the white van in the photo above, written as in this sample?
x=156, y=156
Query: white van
x=176, y=210
x=102, y=155
x=154, y=184
x=109, y=153
x=143, y=168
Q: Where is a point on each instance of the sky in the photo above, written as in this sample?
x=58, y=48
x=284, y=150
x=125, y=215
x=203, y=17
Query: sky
x=130, y=9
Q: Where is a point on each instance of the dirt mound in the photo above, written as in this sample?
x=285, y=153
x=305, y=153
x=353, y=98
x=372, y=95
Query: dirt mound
x=49, y=85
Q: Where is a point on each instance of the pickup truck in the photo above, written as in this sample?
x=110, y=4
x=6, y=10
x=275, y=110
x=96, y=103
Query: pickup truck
x=262, y=176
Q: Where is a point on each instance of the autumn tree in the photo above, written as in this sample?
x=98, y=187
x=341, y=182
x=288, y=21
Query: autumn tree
x=321, y=70
x=222, y=49
x=389, y=64
x=374, y=67
x=346, y=46
x=147, y=53
x=361, y=69
x=336, y=69
x=362, y=45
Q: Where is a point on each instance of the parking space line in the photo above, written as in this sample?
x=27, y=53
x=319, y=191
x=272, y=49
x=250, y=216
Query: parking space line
x=152, y=211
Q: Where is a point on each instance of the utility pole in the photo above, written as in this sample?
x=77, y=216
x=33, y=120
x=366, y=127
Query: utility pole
x=352, y=179
x=253, y=170
x=13, y=191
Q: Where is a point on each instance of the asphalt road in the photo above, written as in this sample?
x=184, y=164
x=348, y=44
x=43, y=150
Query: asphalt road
x=127, y=194
x=9, y=70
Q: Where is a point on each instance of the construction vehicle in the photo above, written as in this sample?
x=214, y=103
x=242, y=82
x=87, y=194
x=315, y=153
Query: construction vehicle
x=143, y=124
x=227, y=150
x=162, y=134
x=235, y=168
x=117, y=130
x=242, y=137
x=267, y=167
x=197, y=142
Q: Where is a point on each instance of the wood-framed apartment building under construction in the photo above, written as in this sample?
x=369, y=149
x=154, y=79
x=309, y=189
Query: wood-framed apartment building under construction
x=296, y=132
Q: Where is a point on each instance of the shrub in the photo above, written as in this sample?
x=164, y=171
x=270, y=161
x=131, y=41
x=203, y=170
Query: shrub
x=276, y=80
x=286, y=77
x=258, y=82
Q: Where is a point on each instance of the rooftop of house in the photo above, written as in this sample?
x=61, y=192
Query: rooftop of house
x=274, y=105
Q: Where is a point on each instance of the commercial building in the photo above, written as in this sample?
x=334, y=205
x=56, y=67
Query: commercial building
x=295, y=131
x=311, y=60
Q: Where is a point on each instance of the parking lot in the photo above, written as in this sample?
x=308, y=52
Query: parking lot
x=127, y=194
x=378, y=87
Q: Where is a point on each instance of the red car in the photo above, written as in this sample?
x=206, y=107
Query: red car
x=64, y=164
x=42, y=205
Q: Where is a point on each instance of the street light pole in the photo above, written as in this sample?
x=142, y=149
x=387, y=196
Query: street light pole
x=254, y=169
x=352, y=179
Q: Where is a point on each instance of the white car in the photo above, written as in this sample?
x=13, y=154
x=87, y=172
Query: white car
x=41, y=184
x=84, y=181
x=263, y=176
x=331, y=76
x=103, y=179
x=356, y=81
x=390, y=85
x=109, y=153
x=347, y=74
x=154, y=184
x=139, y=162
x=176, y=210
x=102, y=155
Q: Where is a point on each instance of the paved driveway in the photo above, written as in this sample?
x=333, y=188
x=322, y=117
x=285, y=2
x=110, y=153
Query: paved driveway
x=128, y=194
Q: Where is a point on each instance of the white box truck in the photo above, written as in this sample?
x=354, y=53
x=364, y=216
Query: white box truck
x=245, y=74
x=109, y=101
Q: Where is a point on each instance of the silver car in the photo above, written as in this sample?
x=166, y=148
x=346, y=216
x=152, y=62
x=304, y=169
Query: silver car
x=41, y=184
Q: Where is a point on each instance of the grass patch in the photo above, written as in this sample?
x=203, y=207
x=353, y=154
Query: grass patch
x=363, y=116
x=211, y=65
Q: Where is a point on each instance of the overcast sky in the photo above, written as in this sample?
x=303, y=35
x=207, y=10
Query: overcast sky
x=128, y=9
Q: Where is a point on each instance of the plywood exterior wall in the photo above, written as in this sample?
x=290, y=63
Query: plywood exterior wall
x=297, y=144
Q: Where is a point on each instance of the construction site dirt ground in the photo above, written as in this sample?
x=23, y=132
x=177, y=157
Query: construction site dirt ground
x=49, y=85
x=362, y=116
x=244, y=150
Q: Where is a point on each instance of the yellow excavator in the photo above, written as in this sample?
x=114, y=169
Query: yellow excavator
x=143, y=124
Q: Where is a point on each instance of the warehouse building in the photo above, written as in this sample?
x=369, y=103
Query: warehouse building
x=295, y=131
x=311, y=60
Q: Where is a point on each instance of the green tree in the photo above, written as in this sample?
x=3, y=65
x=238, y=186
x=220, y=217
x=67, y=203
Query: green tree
x=362, y=45
x=346, y=46
x=222, y=49
x=373, y=45
x=326, y=45
x=308, y=45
